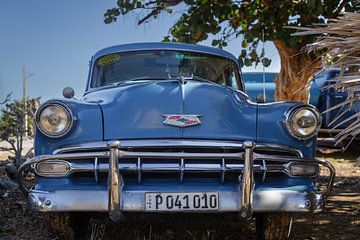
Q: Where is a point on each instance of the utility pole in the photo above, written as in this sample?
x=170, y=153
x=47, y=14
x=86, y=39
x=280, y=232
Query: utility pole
x=24, y=99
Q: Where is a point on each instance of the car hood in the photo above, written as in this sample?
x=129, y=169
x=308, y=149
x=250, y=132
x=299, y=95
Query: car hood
x=136, y=110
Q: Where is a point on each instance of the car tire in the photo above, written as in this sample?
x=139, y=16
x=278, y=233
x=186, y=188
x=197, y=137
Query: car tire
x=274, y=226
x=68, y=226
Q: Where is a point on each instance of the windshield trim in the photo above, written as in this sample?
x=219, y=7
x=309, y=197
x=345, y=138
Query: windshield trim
x=90, y=88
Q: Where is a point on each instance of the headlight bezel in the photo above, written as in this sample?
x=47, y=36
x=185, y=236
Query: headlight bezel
x=289, y=118
x=67, y=111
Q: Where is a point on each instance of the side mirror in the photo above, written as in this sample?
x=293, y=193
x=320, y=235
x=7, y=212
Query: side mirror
x=260, y=98
x=68, y=92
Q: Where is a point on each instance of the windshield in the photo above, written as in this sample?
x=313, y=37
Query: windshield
x=161, y=65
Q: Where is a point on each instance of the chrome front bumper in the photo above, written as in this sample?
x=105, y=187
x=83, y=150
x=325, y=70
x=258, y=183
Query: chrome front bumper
x=116, y=199
x=133, y=201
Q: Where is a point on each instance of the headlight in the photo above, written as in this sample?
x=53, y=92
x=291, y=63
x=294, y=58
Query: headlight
x=54, y=119
x=303, y=122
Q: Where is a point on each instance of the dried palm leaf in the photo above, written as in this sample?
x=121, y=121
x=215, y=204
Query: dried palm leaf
x=339, y=45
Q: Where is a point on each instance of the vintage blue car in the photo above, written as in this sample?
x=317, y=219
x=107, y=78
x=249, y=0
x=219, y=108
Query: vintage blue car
x=168, y=128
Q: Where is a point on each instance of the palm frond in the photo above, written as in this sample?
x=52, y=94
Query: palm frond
x=338, y=42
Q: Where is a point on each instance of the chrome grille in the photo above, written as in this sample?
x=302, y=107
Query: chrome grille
x=221, y=163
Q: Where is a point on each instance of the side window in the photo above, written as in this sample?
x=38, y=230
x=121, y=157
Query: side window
x=234, y=83
x=231, y=77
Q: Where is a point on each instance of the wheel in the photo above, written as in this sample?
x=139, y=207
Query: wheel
x=273, y=226
x=68, y=226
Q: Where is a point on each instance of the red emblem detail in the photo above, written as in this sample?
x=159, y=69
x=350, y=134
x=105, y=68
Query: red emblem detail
x=179, y=120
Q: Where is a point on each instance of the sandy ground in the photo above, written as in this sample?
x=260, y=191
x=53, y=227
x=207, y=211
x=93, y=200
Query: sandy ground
x=341, y=220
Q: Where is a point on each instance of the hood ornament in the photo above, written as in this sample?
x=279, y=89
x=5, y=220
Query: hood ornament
x=181, y=120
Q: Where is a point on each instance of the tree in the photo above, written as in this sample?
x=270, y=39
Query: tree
x=247, y=19
x=12, y=128
x=339, y=42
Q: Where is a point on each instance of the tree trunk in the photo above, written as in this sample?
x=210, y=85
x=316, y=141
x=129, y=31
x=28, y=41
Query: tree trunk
x=297, y=67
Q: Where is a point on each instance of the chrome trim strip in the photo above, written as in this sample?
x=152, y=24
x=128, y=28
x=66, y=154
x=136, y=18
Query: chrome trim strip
x=174, y=167
x=150, y=143
x=180, y=155
x=175, y=143
x=278, y=200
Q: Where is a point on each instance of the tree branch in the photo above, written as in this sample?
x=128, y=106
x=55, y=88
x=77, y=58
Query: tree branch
x=158, y=9
x=7, y=98
x=5, y=149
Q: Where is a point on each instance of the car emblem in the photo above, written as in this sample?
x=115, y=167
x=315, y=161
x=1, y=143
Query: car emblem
x=179, y=120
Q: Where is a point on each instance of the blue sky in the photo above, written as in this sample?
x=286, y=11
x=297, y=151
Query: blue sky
x=56, y=39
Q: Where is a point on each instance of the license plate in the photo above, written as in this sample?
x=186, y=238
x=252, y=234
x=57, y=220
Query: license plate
x=184, y=201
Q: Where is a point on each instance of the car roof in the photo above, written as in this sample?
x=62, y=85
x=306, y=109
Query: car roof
x=164, y=46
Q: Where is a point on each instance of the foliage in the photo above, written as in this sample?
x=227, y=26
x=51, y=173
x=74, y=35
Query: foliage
x=339, y=41
x=12, y=127
x=229, y=19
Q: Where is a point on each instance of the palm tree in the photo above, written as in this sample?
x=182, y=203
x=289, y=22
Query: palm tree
x=338, y=45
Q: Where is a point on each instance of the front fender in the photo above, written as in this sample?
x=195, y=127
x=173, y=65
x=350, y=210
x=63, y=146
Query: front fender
x=87, y=127
x=272, y=130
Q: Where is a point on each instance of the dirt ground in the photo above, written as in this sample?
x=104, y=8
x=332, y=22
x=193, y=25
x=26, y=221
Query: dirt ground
x=341, y=220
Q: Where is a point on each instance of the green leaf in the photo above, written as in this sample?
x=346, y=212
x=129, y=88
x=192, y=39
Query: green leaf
x=243, y=53
x=166, y=39
x=248, y=62
x=244, y=43
x=139, y=4
x=215, y=42
x=266, y=62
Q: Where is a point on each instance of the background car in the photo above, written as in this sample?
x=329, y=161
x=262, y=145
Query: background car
x=256, y=87
x=325, y=97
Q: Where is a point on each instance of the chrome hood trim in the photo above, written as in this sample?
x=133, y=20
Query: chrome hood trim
x=154, y=143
